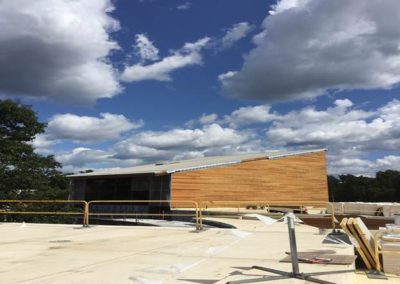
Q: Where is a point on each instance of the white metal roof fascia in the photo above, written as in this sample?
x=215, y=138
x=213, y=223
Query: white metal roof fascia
x=202, y=167
x=271, y=157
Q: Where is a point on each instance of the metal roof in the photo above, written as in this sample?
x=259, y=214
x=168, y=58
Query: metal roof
x=195, y=164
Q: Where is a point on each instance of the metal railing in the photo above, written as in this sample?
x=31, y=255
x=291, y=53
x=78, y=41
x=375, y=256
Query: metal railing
x=198, y=208
x=268, y=205
x=25, y=203
x=193, y=205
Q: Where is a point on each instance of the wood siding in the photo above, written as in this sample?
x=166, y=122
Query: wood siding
x=294, y=178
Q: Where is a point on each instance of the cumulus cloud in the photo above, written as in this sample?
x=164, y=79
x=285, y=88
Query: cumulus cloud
x=211, y=139
x=310, y=47
x=42, y=144
x=83, y=158
x=161, y=70
x=363, y=167
x=57, y=50
x=236, y=33
x=145, y=49
x=226, y=76
x=354, y=166
x=85, y=129
x=212, y=135
x=339, y=126
x=238, y=118
x=391, y=162
x=250, y=115
x=202, y=120
x=208, y=118
x=184, y=6
x=128, y=149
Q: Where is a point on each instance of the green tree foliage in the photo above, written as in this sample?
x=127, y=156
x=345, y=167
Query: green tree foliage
x=384, y=187
x=25, y=174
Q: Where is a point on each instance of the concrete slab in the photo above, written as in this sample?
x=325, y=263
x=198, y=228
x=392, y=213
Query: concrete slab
x=44, y=253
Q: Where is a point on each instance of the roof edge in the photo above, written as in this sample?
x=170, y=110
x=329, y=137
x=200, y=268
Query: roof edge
x=215, y=165
x=271, y=157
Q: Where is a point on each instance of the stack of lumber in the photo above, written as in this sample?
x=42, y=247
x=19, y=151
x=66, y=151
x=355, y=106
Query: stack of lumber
x=391, y=247
x=362, y=240
x=388, y=209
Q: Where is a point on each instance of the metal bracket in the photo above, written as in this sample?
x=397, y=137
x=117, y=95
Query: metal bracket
x=295, y=264
x=374, y=274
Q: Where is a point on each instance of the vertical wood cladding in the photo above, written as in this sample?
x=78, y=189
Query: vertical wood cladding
x=294, y=178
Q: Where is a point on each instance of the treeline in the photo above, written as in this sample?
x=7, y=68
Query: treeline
x=384, y=187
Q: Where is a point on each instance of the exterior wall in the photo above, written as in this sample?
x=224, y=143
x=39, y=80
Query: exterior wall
x=294, y=178
x=135, y=187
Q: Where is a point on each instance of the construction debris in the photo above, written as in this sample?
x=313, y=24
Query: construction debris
x=386, y=242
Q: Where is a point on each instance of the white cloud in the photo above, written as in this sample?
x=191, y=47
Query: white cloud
x=364, y=167
x=238, y=118
x=343, y=103
x=353, y=166
x=83, y=158
x=202, y=120
x=227, y=75
x=310, y=47
x=127, y=149
x=145, y=49
x=284, y=5
x=212, y=135
x=250, y=115
x=184, y=6
x=333, y=126
x=173, y=144
x=42, y=144
x=86, y=129
x=188, y=55
x=57, y=49
x=208, y=118
x=390, y=162
x=174, y=138
x=216, y=136
x=236, y=33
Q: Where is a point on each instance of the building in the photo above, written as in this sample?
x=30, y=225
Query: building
x=274, y=175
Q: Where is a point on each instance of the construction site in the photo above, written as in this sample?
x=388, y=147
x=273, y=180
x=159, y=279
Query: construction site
x=199, y=142
x=233, y=219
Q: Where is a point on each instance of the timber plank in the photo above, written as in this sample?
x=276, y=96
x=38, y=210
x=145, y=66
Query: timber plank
x=355, y=243
x=351, y=226
x=365, y=235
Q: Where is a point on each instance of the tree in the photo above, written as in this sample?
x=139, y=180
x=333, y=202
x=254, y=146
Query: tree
x=385, y=186
x=25, y=174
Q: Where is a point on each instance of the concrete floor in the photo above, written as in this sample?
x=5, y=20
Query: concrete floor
x=45, y=253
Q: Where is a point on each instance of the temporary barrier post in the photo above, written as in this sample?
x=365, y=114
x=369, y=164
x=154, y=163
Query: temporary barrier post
x=292, y=242
x=295, y=264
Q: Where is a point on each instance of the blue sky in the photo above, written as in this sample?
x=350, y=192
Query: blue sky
x=122, y=83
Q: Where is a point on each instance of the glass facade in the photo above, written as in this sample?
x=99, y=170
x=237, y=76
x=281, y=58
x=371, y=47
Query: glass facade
x=138, y=187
